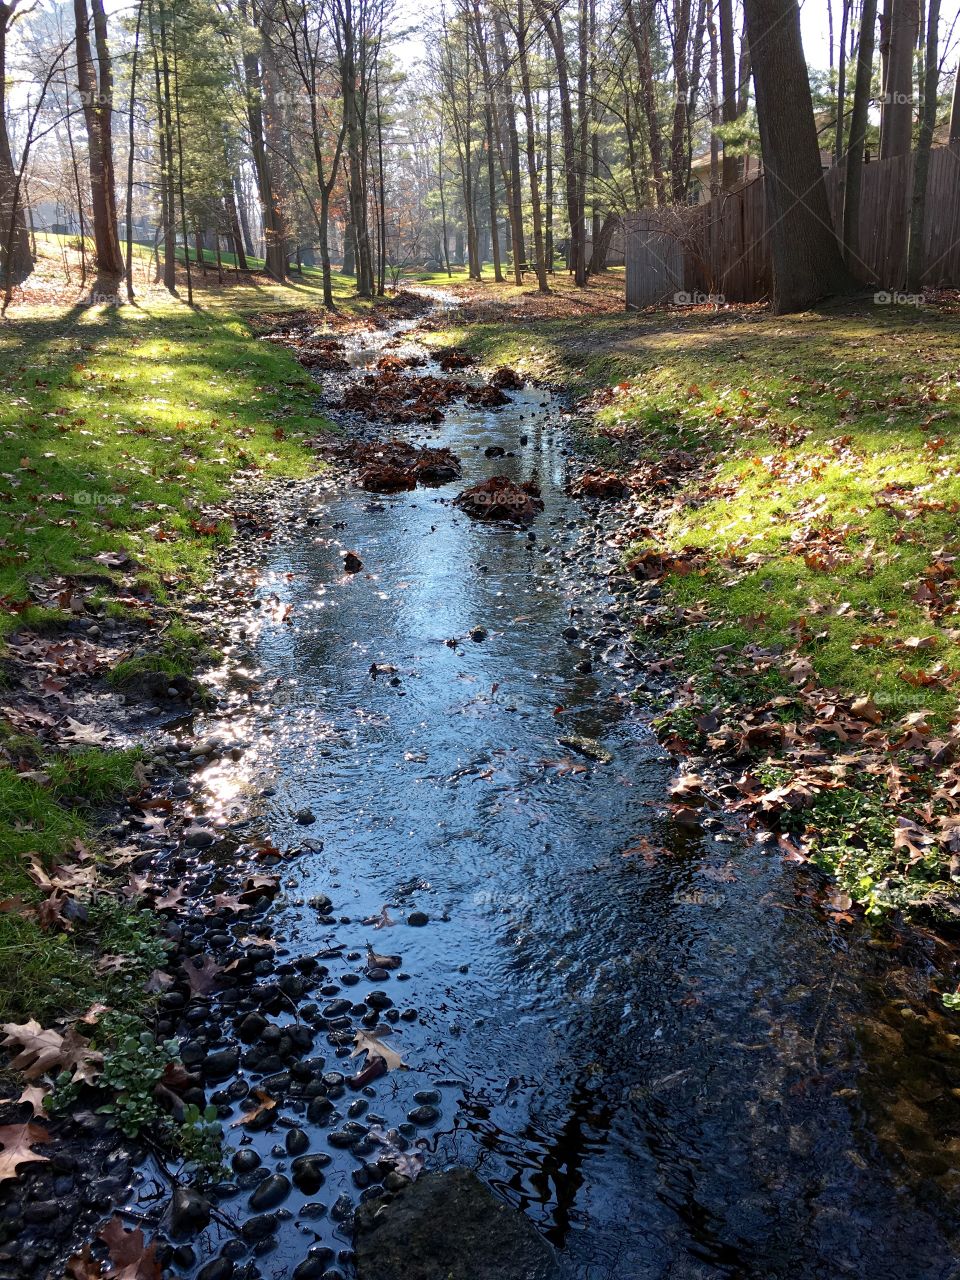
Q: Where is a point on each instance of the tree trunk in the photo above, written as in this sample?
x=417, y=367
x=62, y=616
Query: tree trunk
x=714, y=103
x=131, y=122
x=492, y=198
x=96, y=95
x=639, y=26
x=511, y=169
x=955, y=112
x=241, y=203
x=807, y=265
x=679, y=154
x=601, y=244
x=901, y=28
x=548, y=186
x=233, y=223
x=275, y=254
x=921, y=164
x=842, y=78
x=539, y=251
x=572, y=163
x=730, y=172
x=858, y=130
x=18, y=263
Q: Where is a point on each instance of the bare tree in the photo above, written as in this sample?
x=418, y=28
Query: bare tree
x=96, y=96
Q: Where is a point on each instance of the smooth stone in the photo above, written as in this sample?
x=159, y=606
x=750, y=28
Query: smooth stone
x=270, y=1192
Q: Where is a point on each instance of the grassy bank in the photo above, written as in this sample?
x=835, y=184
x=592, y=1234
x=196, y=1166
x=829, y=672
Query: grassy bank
x=122, y=428
x=799, y=480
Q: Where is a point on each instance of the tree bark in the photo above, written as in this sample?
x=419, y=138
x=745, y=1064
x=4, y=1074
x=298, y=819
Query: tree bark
x=921, y=163
x=730, y=172
x=858, y=128
x=842, y=78
x=901, y=28
x=539, y=248
x=96, y=95
x=131, y=139
x=17, y=260
x=807, y=265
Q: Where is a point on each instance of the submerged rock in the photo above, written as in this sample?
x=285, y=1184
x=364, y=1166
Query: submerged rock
x=448, y=1225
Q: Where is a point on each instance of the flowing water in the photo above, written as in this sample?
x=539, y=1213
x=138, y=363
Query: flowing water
x=670, y=1061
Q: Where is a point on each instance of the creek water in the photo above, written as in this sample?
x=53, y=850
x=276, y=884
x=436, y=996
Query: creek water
x=670, y=1061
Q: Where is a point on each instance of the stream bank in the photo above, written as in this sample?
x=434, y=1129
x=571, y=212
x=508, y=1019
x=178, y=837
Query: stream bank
x=633, y=1028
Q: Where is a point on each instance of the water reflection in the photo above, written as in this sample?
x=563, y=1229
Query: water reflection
x=675, y=1067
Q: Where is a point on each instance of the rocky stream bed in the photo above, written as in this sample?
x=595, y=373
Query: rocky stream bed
x=432, y=911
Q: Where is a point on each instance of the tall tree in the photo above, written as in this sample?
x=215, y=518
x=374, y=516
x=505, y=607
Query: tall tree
x=807, y=265
x=921, y=164
x=17, y=259
x=899, y=31
x=95, y=83
x=853, y=180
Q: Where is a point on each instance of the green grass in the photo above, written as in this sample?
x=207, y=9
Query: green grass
x=122, y=429
x=43, y=974
x=827, y=493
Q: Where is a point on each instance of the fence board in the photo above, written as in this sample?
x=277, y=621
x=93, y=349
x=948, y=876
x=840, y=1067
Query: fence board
x=721, y=247
x=654, y=262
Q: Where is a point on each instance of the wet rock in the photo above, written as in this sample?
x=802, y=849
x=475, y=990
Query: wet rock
x=450, y=1225
x=221, y=1065
x=585, y=746
x=259, y=1227
x=296, y=1142
x=308, y=1172
x=352, y=562
x=478, y=635
x=251, y=1028
x=418, y=919
x=494, y=451
x=305, y=817
x=342, y=1209
x=218, y=1269
x=271, y=1192
x=189, y=1212
x=245, y=1160
x=424, y=1115
x=198, y=837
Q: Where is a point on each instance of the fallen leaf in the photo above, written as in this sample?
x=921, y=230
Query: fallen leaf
x=265, y=1104
x=17, y=1141
x=369, y=1042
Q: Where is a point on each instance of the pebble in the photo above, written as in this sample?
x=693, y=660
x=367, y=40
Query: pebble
x=296, y=1142
x=271, y=1192
x=245, y=1160
x=259, y=1227
x=424, y=1115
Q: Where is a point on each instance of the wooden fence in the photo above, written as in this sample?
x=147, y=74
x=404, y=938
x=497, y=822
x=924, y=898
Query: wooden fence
x=720, y=248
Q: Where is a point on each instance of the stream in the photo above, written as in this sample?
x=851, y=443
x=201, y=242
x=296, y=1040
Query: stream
x=669, y=1061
